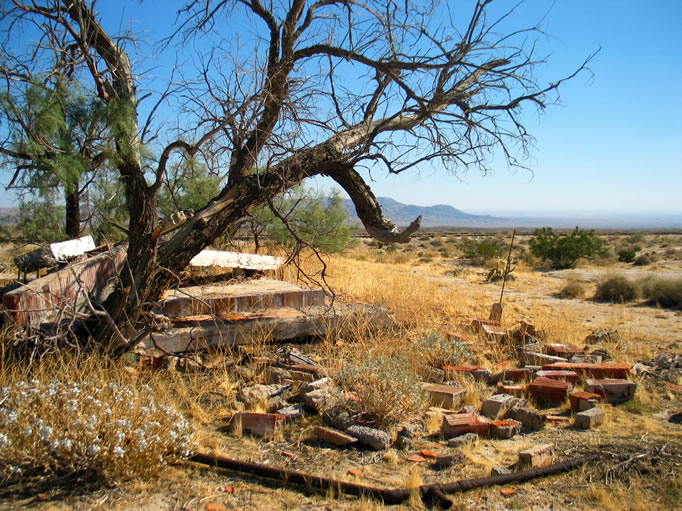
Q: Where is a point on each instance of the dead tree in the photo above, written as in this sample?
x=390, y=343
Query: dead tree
x=327, y=87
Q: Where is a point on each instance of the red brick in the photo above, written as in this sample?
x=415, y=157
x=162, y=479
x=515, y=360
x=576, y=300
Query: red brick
x=333, y=436
x=557, y=420
x=415, y=458
x=576, y=397
x=547, y=390
x=428, y=453
x=673, y=387
x=517, y=375
x=460, y=423
x=514, y=390
x=505, y=428
x=260, y=424
x=604, y=370
x=569, y=376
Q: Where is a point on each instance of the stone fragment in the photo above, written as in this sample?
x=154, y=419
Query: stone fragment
x=333, y=436
x=428, y=453
x=516, y=375
x=460, y=423
x=581, y=401
x=505, y=428
x=557, y=420
x=291, y=412
x=405, y=438
x=586, y=359
x=259, y=424
x=446, y=396
x=569, y=376
x=482, y=375
x=258, y=393
x=535, y=358
x=448, y=460
x=462, y=440
x=415, y=458
x=548, y=391
x=531, y=419
x=613, y=390
x=339, y=418
x=370, y=437
x=511, y=389
x=500, y=470
x=589, y=418
x=536, y=457
x=497, y=405
x=320, y=395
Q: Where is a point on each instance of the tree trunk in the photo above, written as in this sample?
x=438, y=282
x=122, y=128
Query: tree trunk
x=73, y=214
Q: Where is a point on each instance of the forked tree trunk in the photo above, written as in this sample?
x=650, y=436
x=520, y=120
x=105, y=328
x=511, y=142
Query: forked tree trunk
x=73, y=214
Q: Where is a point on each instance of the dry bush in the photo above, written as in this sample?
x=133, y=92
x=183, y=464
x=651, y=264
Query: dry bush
x=113, y=430
x=387, y=389
x=662, y=292
x=572, y=289
x=642, y=260
x=436, y=351
x=616, y=289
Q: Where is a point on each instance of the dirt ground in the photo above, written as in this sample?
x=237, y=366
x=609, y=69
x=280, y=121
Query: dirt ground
x=640, y=448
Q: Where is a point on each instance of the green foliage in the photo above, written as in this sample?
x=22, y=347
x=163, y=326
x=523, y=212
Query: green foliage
x=616, y=289
x=625, y=255
x=108, y=201
x=662, y=292
x=480, y=251
x=317, y=220
x=437, y=351
x=563, y=251
x=41, y=221
x=189, y=186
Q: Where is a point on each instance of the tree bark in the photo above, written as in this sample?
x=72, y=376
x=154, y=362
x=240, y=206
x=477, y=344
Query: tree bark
x=73, y=214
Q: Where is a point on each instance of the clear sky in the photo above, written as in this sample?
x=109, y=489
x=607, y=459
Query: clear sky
x=613, y=144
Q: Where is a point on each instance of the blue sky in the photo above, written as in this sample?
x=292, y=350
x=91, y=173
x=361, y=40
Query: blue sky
x=614, y=142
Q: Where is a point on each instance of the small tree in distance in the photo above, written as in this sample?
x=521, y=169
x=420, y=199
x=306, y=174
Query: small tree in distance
x=563, y=251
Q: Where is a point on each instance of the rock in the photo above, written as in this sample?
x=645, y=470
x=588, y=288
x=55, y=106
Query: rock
x=291, y=412
x=613, y=390
x=496, y=406
x=500, y=470
x=404, y=441
x=589, y=418
x=339, y=418
x=261, y=393
x=462, y=440
x=370, y=437
x=601, y=352
x=320, y=395
x=448, y=460
x=531, y=419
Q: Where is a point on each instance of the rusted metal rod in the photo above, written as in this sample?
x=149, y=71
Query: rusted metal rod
x=433, y=492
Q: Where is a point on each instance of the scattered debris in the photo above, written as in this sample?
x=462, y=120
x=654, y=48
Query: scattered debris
x=537, y=457
x=589, y=419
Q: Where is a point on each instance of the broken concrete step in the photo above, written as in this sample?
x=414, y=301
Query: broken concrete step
x=459, y=423
x=614, y=390
x=531, y=419
x=549, y=391
x=505, y=429
x=201, y=332
x=224, y=298
x=603, y=370
x=496, y=406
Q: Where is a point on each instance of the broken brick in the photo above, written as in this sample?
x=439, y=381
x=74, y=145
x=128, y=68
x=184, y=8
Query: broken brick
x=674, y=387
x=613, y=390
x=536, y=457
x=589, y=418
x=427, y=453
x=514, y=390
x=508, y=492
x=569, y=376
x=446, y=396
x=562, y=350
x=557, y=419
x=581, y=401
x=333, y=436
x=604, y=370
x=517, y=375
x=259, y=424
x=459, y=423
x=505, y=428
x=534, y=358
x=415, y=458
x=531, y=419
x=546, y=390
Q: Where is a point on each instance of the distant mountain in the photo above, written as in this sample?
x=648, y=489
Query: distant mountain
x=440, y=215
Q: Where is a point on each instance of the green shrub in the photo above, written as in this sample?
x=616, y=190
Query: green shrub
x=662, y=292
x=563, y=251
x=480, y=251
x=625, y=255
x=616, y=289
x=436, y=351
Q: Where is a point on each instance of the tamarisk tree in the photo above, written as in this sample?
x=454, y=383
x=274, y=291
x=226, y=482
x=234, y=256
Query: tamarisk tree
x=290, y=88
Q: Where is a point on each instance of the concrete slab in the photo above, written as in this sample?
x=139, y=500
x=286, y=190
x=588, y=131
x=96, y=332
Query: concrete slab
x=236, y=260
x=72, y=248
x=224, y=298
x=205, y=331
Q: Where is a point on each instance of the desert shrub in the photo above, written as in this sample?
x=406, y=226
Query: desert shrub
x=387, y=389
x=563, y=251
x=480, y=251
x=662, y=292
x=625, y=255
x=437, y=351
x=636, y=238
x=642, y=260
x=115, y=431
x=572, y=289
x=437, y=243
x=636, y=247
x=616, y=289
